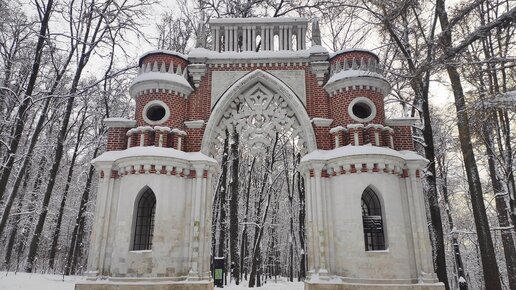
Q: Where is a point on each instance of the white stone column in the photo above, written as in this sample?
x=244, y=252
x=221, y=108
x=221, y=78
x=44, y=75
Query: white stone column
x=413, y=224
x=289, y=40
x=303, y=38
x=110, y=211
x=265, y=38
x=217, y=39
x=244, y=38
x=330, y=249
x=206, y=230
x=102, y=206
x=193, y=240
x=231, y=39
x=226, y=38
x=423, y=245
x=320, y=219
x=253, y=38
x=199, y=222
x=310, y=225
x=298, y=38
x=280, y=37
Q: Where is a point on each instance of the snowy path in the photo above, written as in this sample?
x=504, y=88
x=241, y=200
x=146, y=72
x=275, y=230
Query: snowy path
x=26, y=281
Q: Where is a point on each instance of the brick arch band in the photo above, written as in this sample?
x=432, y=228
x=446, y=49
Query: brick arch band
x=265, y=80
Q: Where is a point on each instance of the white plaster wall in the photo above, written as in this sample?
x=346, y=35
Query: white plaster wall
x=350, y=258
x=169, y=254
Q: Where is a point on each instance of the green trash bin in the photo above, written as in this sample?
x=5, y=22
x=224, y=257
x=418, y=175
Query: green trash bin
x=218, y=272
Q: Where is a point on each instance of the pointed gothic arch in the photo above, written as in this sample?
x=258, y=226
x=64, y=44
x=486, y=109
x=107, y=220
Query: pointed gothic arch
x=373, y=221
x=268, y=98
x=143, y=220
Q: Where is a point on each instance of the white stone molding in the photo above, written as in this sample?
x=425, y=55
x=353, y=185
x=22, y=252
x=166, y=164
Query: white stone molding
x=196, y=124
x=151, y=79
x=197, y=71
x=320, y=69
x=279, y=108
x=152, y=104
x=119, y=123
x=350, y=79
x=401, y=122
x=321, y=122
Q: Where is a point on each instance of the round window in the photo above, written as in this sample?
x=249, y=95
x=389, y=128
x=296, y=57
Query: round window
x=155, y=112
x=362, y=109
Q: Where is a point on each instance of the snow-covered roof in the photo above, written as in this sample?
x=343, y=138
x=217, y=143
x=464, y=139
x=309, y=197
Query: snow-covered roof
x=344, y=74
x=152, y=151
x=161, y=81
x=158, y=76
x=164, y=51
x=368, y=149
x=282, y=54
x=332, y=54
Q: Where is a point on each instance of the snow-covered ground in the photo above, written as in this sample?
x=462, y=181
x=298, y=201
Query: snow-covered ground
x=26, y=281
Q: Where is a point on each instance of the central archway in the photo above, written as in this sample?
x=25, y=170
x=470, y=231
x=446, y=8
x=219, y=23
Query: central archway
x=259, y=104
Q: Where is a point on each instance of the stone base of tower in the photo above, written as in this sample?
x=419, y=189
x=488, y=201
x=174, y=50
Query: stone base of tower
x=366, y=286
x=157, y=285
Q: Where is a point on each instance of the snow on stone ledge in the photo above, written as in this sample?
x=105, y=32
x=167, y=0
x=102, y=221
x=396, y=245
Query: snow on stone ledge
x=164, y=51
x=152, y=151
x=368, y=149
x=119, y=123
x=333, y=54
x=158, y=76
x=282, y=54
x=345, y=74
x=266, y=20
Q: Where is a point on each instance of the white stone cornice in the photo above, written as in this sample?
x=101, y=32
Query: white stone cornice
x=401, y=122
x=119, y=123
x=335, y=84
x=149, y=81
x=196, y=124
x=197, y=71
x=321, y=122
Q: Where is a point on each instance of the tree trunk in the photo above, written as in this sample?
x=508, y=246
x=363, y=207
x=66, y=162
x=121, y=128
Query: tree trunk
x=301, y=194
x=233, y=208
x=57, y=230
x=27, y=100
x=243, y=246
x=83, y=60
x=14, y=228
x=221, y=252
x=461, y=276
x=489, y=265
x=80, y=223
x=254, y=277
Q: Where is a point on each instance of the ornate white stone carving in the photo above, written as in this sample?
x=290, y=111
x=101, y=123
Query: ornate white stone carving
x=257, y=106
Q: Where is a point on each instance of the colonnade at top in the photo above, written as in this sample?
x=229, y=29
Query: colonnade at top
x=263, y=34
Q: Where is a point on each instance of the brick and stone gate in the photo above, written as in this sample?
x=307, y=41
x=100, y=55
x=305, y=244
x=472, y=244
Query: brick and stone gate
x=366, y=223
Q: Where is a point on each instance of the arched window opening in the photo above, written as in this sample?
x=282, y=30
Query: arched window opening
x=258, y=42
x=293, y=42
x=144, y=223
x=275, y=45
x=372, y=220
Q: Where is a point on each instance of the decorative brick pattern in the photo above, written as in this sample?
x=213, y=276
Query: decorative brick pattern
x=160, y=58
x=117, y=139
x=176, y=104
x=319, y=104
x=339, y=104
x=403, y=138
